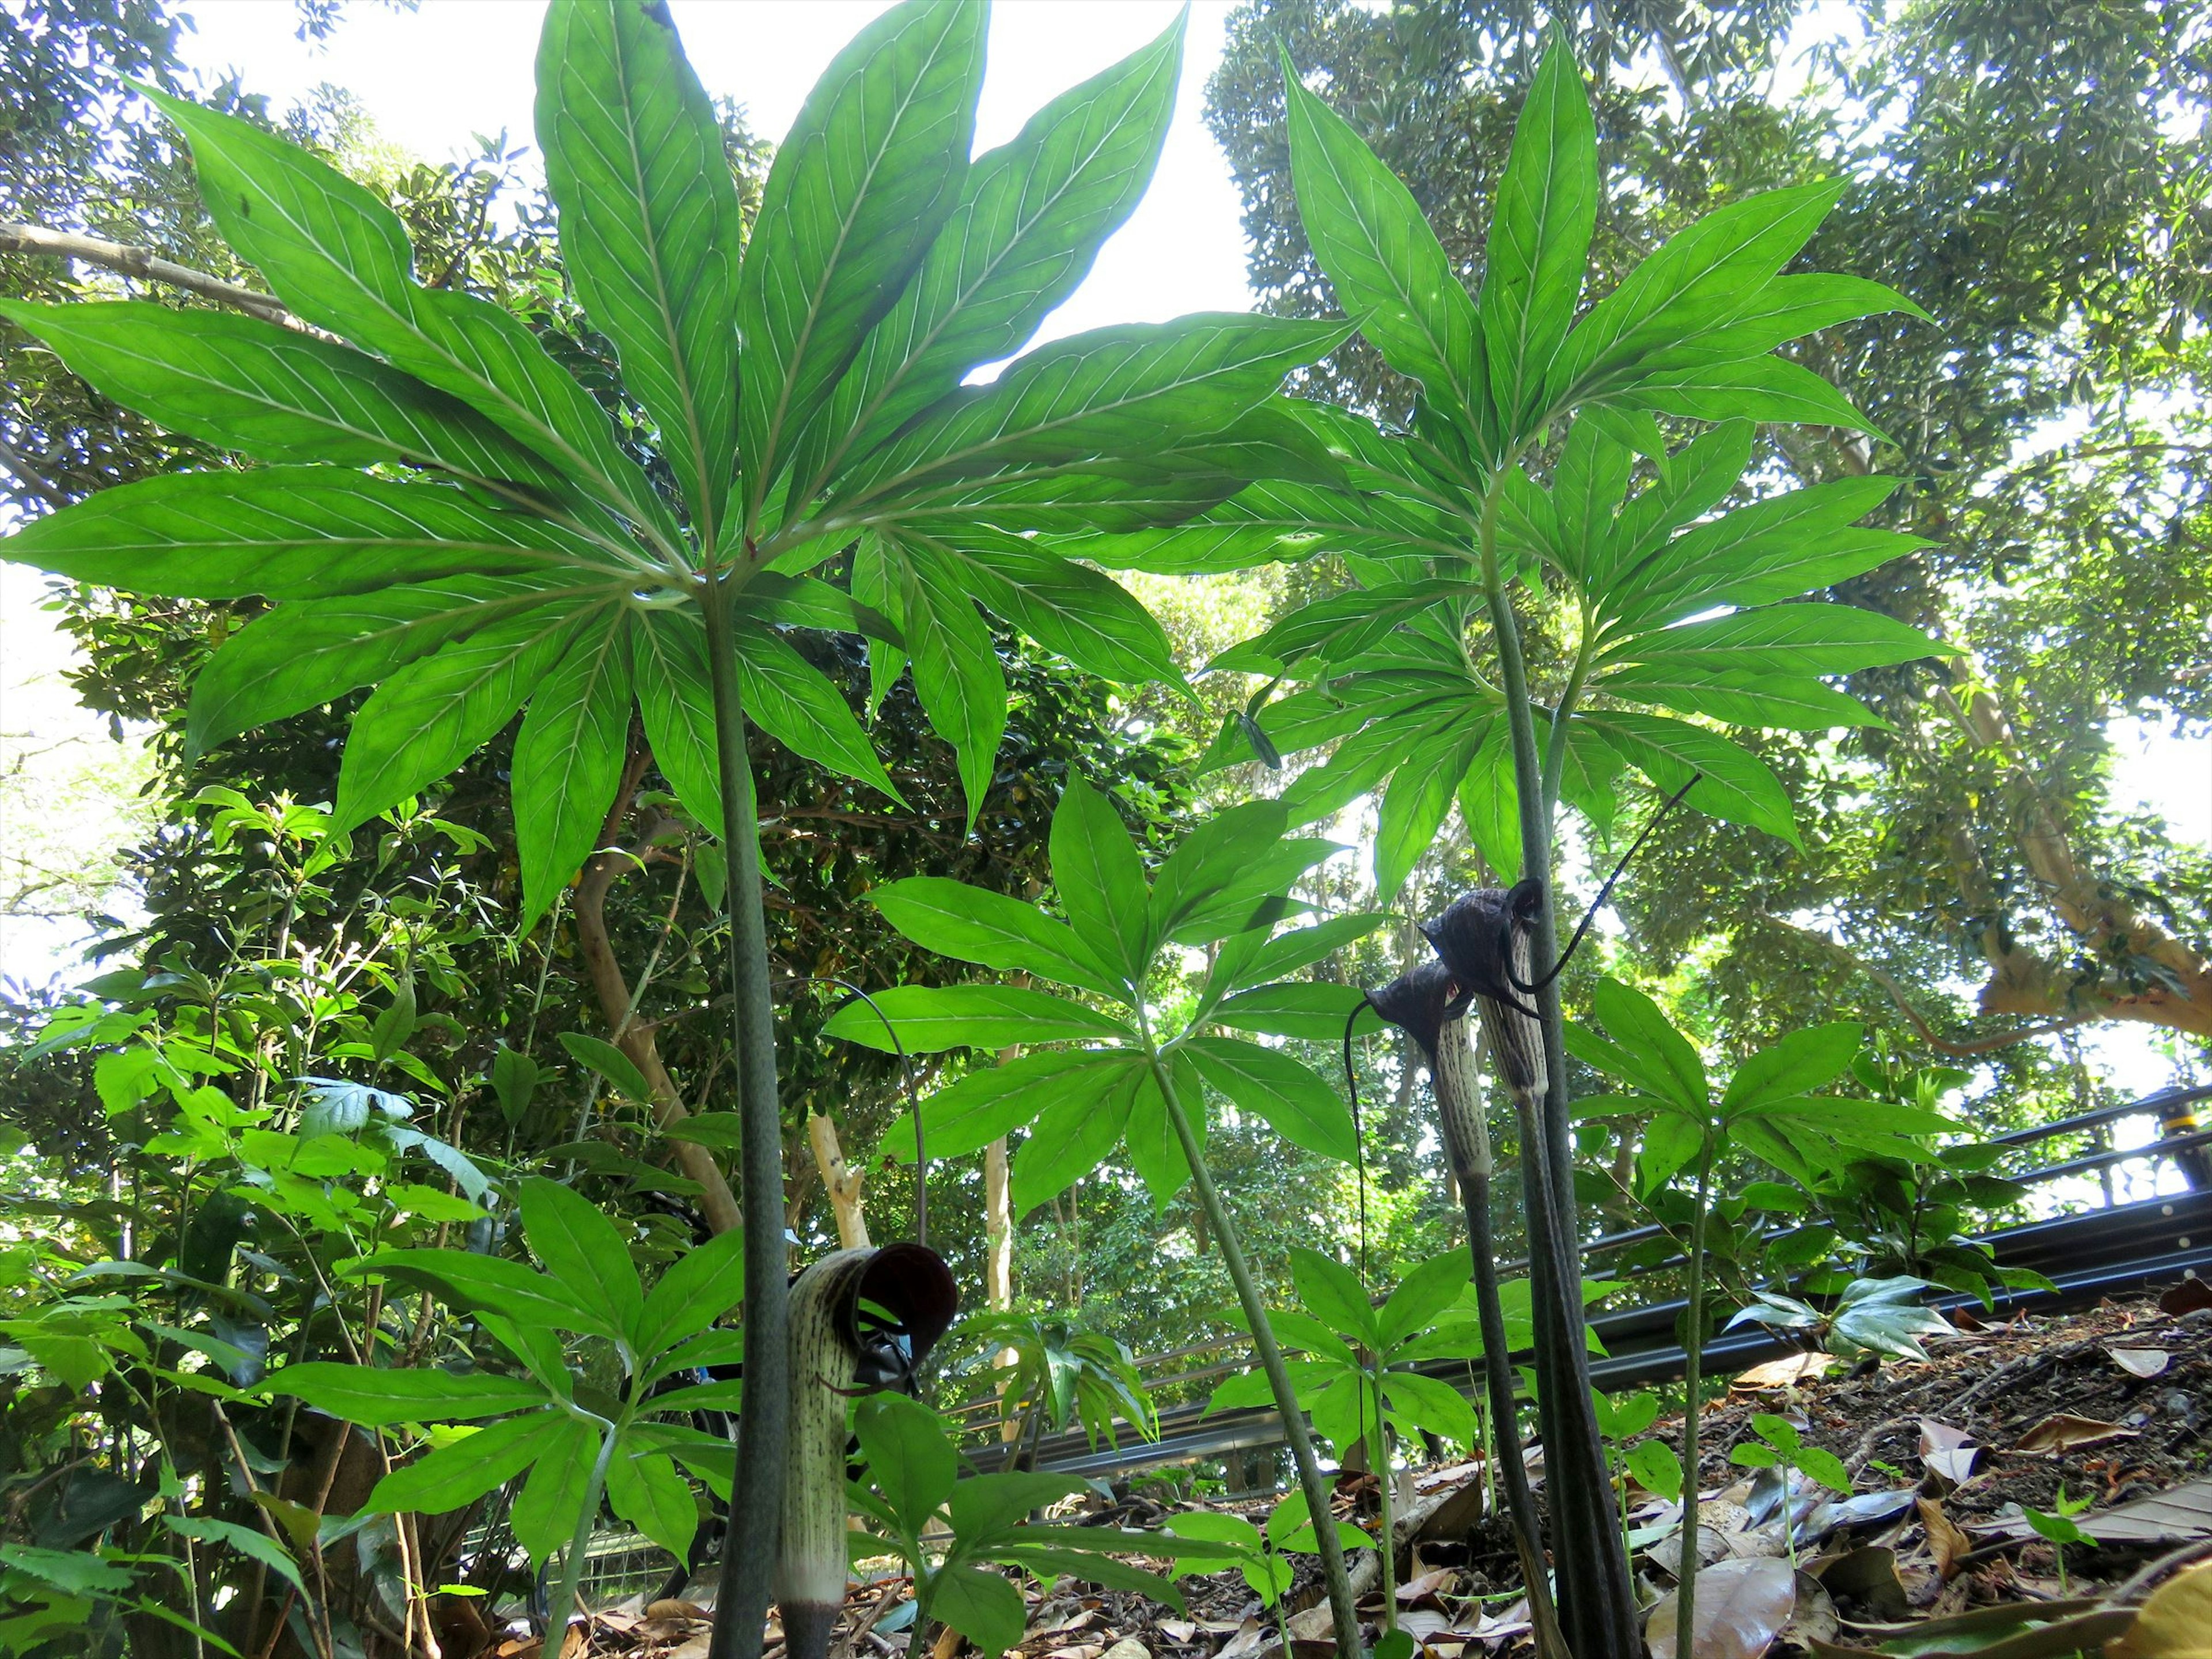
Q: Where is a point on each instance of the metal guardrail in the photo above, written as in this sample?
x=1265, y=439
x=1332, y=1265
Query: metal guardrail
x=2100, y=1252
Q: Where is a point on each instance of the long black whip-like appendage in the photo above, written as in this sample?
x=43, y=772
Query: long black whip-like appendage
x=1603, y=893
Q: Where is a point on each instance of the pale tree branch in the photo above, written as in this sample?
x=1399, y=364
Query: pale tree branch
x=149, y=266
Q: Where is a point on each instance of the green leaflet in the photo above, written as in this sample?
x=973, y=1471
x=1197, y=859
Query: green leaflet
x=861, y=187
x=1756, y=389
x=279, y=395
x=430, y=716
x=1736, y=785
x=1770, y=702
x=1070, y=1138
x=460, y=1473
x=975, y=924
x=1112, y=391
x=1419, y=796
x=1490, y=803
x=1267, y=1082
x=670, y=671
x=1317, y=1012
x=339, y=257
x=969, y=1114
x=290, y=532
x=381, y=1397
x=1155, y=1150
x=581, y=1248
x=1100, y=880
x=310, y=652
x=932, y=1018
x=793, y=701
x=1540, y=236
x=649, y=227
x=695, y=1290
x=568, y=761
x=1031, y=218
x=645, y=1490
x=1388, y=267
x=957, y=673
x=544, y=1516
x=1272, y=522
x=1665, y=1064
x=1801, y=640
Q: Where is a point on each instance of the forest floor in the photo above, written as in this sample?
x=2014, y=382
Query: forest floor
x=1931, y=1553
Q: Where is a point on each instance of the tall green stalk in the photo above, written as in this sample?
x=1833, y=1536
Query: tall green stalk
x=1693, y=1344
x=749, y=1547
x=1343, y=1608
x=1589, y=1550
x=562, y=1607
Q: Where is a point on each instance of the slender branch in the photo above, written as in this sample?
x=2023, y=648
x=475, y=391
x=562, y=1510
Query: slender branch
x=1686, y=1604
x=147, y=265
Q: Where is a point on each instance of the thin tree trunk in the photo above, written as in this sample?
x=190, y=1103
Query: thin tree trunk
x=998, y=1260
x=841, y=1181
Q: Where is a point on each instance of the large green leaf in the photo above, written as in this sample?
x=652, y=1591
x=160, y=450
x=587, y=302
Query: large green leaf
x=460, y=1473
x=1069, y=608
x=982, y=1606
x=1756, y=389
x=649, y=227
x=1332, y=1293
x=992, y=929
x=1112, y=391
x=304, y=655
x=1218, y=854
x=1386, y=264
x=695, y=1290
x=290, y=532
x=583, y=1250
x=678, y=702
x=931, y=1019
x=910, y=1461
x=1278, y=1090
x=957, y=673
x=645, y=1490
x=430, y=716
x=859, y=188
x=1274, y=520
x=568, y=761
x=1794, y=1064
x=1773, y=701
x=969, y=1114
x=377, y=1397
x=1071, y=1138
x=279, y=395
x=1419, y=796
x=794, y=702
x=1315, y=1010
x=545, y=1511
x=1100, y=880
x=490, y=1283
x=1031, y=218
x=1735, y=785
x=1540, y=236
x=339, y=257
x=1668, y=1065
x=1155, y=1150
x=1794, y=640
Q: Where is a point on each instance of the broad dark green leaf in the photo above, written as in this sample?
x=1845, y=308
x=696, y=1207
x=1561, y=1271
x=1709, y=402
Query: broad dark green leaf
x=1540, y=236
x=912, y=1463
x=1155, y=1150
x=694, y=1291
x=1788, y=640
x=291, y=532
x=1386, y=264
x=1275, y=1088
x=377, y=1397
x=279, y=395
x=992, y=929
x=677, y=701
x=1419, y=796
x=1071, y=1138
x=1702, y=279
x=932, y=1018
x=1758, y=389
x=1421, y=1295
x=1100, y=880
x=568, y=761
x=982, y=1606
x=545, y=1511
x=649, y=228
x=610, y=1063
x=583, y=1249
x=859, y=188
x=1211, y=858
x=1665, y=1055
x=1432, y=1405
x=1735, y=785
x=1772, y=702
x=1794, y=1064
x=1109, y=392
x=491, y=1284
x=1332, y=1293
x=254, y=1545
x=430, y=716
x=1362, y=761
x=1672, y=1142
x=1697, y=477
x=1343, y=626
x=1316, y=1011
x=794, y=702
x=314, y=650
x=878, y=580
x=985, y=1506
x=1274, y=521
x=1785, y=309
x=1032, y=217
x=340, y=259
x=957, y=673
x=1085, y=616
x=460, y=1473
x=645, y=1490
x=1490, y=802
x=1257, y=959
x=971, y=1113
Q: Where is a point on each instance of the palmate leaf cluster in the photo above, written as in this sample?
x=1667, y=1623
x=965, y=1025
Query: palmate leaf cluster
x=1670, y=622
x=566, y=1438
x=441, y=512
x=1093, y=1078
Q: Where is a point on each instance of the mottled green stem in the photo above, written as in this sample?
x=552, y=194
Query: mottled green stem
x=1693, y=1353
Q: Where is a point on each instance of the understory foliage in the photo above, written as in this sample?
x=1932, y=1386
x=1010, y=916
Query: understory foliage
x=578, y=635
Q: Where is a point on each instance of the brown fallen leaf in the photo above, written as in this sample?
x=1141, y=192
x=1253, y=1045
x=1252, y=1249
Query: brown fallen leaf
x=2175, y=1623
x=1949, y=1546
x=1177, y=1630
x=2011, y=1629
x=1814, y=1618
x=671, y=1608
x=1742, y=1605
x=1869, y=1575
x=1246, y=1640
x=2141, y=1362
x=2187, y=1297
x=2063, y=1432
x=2173, y=1517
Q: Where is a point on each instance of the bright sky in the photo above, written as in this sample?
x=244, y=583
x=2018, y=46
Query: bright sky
x=433, y=78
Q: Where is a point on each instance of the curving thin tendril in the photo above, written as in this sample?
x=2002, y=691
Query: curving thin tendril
x=1603, y=893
